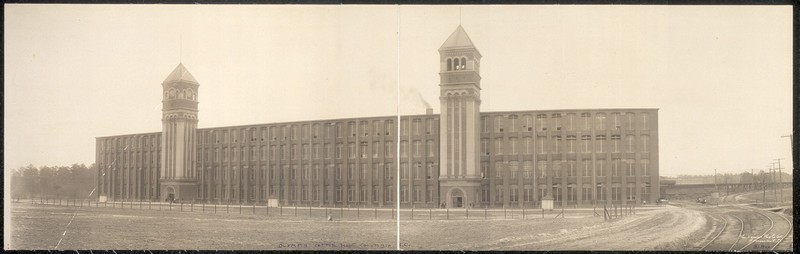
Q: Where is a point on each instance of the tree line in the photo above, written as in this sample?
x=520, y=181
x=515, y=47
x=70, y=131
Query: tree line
x=76, y=181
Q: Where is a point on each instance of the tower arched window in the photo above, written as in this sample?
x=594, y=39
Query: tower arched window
x=463, y=63
x=456, y=64
x=449, y=64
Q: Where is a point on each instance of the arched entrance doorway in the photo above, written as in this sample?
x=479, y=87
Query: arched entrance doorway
x=170, y=194
x=456, y=198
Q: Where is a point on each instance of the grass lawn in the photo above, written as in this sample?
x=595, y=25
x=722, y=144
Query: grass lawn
x=38, y=226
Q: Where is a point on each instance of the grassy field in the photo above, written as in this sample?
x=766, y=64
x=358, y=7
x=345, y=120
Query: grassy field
x=37, y=226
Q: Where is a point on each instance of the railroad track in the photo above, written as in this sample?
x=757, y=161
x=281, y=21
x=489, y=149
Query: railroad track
x=718, y=234
x=788, y=232
x=741, y=230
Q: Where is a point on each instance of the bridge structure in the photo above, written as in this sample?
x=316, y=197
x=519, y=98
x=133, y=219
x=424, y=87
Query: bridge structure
x=692, y=191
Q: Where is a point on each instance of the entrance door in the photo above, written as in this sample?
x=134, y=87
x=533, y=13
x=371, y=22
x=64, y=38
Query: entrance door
x=170, y=197
x=458, y=202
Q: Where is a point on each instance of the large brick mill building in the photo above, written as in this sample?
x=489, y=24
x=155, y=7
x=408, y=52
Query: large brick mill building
x=460, y=157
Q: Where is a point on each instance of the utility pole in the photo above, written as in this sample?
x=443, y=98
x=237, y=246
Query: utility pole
x=780, y=181
x=772, y=180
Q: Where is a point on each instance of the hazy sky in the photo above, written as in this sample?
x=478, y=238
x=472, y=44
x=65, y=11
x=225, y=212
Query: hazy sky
x=721, y=76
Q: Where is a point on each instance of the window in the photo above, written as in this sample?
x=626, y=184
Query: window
x=498, y=145
x=541, y=169
x=629, y=142
x=556, y=144
x=429, y=126
x=570, y=122
x=629, y=116
x=557, y=169
x=617, y=123
x=306, y=172
x=587, y=167
x=528, y=145
x=599, y=167
x=571, y=193
x=376, y=125
x=376, y=149
x=542, y=140
x=499, y=123
x=645, y=164
x=600, y=140
x=403, y=149
x=417, y=125
x=339, y=148
x=615, y=195
x=499, y=194
x=485, y=194
x=601, y=192
x=387, y=194
x=557, y=121
x=513, y=197
x=431, y=148
x=571, y=168
x=586, y=143
x=644, y=121
x=404, y=127
x=376, y=169
x=528, y=194
x=540, y=122
x=527, y=169
x=431, y=171
x=586, y=192
x=513, y=145
x=615, y=143
x=484, y=170
x=338, y=172
x=417, y=149
x=351, y=149
x=631, y=167
x=315, y=174
x=631, y=192
x=529, y=122
x=403, y=171
x=484, y=125
x=364, y=128
x=557, y=192
x=514, y=166
x=389, y=171
x=388, y=149
x=600, y=121
x=403, y=194
x=587, y=120
x=363, y=147
x=571, y=144
x=512, y=126
x=484, y=146
x=645, y=140
x=449, y=64
x=498, y=170
x=338, y=194
x=615, y=167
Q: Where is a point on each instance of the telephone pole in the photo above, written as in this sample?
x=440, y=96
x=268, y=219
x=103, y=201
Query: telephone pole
x=780, y=180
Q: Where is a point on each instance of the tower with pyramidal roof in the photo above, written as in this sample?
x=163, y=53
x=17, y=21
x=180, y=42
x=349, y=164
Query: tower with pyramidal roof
x=179, y=121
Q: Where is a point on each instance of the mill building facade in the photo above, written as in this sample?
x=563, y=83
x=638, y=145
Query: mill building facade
x=461, y=157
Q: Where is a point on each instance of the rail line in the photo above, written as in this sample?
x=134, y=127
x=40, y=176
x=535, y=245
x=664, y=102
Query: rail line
x=788, y=232
x=771, y=225
x=741, y=231
x=718, y=234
